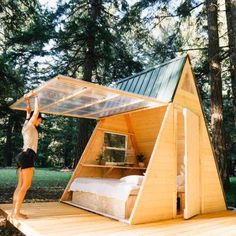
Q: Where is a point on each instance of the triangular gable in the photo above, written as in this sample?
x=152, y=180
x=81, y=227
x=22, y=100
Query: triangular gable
x=187, y=85
x=157, y=196
x=187, y=96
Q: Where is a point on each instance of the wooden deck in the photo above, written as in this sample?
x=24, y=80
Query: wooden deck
x=59, y=219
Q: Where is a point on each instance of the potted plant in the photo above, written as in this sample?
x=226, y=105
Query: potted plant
x=140, y=158
x=101, y=159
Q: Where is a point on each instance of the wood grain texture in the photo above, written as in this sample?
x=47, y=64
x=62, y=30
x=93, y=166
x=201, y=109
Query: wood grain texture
x=53, y=219
x=208, y=166
x=192, y=161
x=158, y=134
x=158, y=191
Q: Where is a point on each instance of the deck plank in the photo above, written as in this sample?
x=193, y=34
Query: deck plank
x=54, y=218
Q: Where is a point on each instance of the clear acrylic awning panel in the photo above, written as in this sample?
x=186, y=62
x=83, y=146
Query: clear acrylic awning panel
x=63, y=95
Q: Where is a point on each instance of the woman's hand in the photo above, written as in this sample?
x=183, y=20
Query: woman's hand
x=26, y=97
x=30, y=94
x=33, y=94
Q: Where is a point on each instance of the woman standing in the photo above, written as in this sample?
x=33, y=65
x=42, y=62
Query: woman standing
x=25, y=159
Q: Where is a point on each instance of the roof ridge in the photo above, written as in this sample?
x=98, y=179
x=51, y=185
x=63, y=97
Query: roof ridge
x=152, y=68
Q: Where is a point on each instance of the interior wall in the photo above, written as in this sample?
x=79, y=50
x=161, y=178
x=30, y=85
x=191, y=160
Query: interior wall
x=116, y=124
x=146, y=126
x=141, y=127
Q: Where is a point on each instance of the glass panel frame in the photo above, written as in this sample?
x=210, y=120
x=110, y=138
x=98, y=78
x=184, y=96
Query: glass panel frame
x=65, y=96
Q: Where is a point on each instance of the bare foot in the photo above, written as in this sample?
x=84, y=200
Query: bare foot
x=19, y=216
x=23, y=215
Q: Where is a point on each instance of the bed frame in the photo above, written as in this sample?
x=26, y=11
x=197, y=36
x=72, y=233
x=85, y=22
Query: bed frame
x=112, y=207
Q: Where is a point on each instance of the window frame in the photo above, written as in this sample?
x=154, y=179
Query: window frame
x=116, y=148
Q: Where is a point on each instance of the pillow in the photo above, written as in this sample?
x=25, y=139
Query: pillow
x=133, y=179
x=180, y=180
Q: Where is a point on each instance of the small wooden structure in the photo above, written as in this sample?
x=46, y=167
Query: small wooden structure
x=161, y=115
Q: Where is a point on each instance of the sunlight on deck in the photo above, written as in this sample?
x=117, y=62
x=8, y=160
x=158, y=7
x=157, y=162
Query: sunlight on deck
x=54, y=218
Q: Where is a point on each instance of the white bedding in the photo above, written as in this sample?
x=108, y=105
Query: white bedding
x=104, y=187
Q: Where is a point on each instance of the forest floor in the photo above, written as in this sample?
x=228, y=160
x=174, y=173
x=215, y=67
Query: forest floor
x=48, y=185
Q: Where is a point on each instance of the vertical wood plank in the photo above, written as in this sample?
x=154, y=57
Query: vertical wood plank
x=158, y=190
x=192, y=172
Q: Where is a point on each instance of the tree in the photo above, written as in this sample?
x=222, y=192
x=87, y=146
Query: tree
x=22, y=28
x=231, y=25
x=91, y=48
x=217, y=127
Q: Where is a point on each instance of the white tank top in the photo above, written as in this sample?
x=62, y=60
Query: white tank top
x=30, y=136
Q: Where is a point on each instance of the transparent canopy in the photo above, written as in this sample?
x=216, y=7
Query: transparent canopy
x=63, y=95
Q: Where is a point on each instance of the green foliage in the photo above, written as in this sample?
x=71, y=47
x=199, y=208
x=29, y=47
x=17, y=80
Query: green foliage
x=58, y=141
x=23, y=30
x=231, y=193
x=140, y=157
x=43, y=178
x=109, y=58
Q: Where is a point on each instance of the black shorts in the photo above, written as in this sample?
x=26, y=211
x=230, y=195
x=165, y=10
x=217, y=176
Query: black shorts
x=25, y=159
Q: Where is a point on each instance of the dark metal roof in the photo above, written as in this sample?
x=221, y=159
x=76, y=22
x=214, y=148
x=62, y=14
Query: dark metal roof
x=159, y=82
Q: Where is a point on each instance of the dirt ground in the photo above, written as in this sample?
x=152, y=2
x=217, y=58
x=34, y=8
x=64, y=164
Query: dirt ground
x=33, y=195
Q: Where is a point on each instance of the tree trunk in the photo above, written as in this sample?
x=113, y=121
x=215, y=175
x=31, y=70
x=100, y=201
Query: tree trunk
x=231, y=25
x=216, y=90
x=88, y=68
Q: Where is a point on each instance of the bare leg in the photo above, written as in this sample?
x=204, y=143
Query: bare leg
x=19, y=185
x=27, y=175
x=20, y=180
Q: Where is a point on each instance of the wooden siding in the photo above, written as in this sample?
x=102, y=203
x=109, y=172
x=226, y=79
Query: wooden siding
x=179, y=121
x=192, y=170
x=157, y=197
x=212, y=197
x=146, y=126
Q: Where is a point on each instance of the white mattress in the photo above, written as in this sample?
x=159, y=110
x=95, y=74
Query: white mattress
x=104, y=187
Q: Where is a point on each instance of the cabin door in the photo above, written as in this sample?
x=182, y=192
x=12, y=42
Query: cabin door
x=191, y=160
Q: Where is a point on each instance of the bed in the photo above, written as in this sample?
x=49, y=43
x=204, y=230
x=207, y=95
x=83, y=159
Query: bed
x=112, y=197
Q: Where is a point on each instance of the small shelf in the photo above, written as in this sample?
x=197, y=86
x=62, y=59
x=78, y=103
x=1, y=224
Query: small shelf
x=115, y=166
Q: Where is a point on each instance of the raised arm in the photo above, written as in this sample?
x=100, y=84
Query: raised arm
x=28, y=107
x=36, y=106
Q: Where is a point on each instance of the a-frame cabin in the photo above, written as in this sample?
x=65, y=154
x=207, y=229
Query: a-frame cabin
x=160, y=114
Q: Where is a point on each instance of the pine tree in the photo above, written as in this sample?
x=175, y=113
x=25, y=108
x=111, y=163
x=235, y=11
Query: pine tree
x=217, y=127
x=231, y=25
x=22, y=26
x=91, y=48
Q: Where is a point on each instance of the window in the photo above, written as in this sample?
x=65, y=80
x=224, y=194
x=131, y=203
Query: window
x=115, y=146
